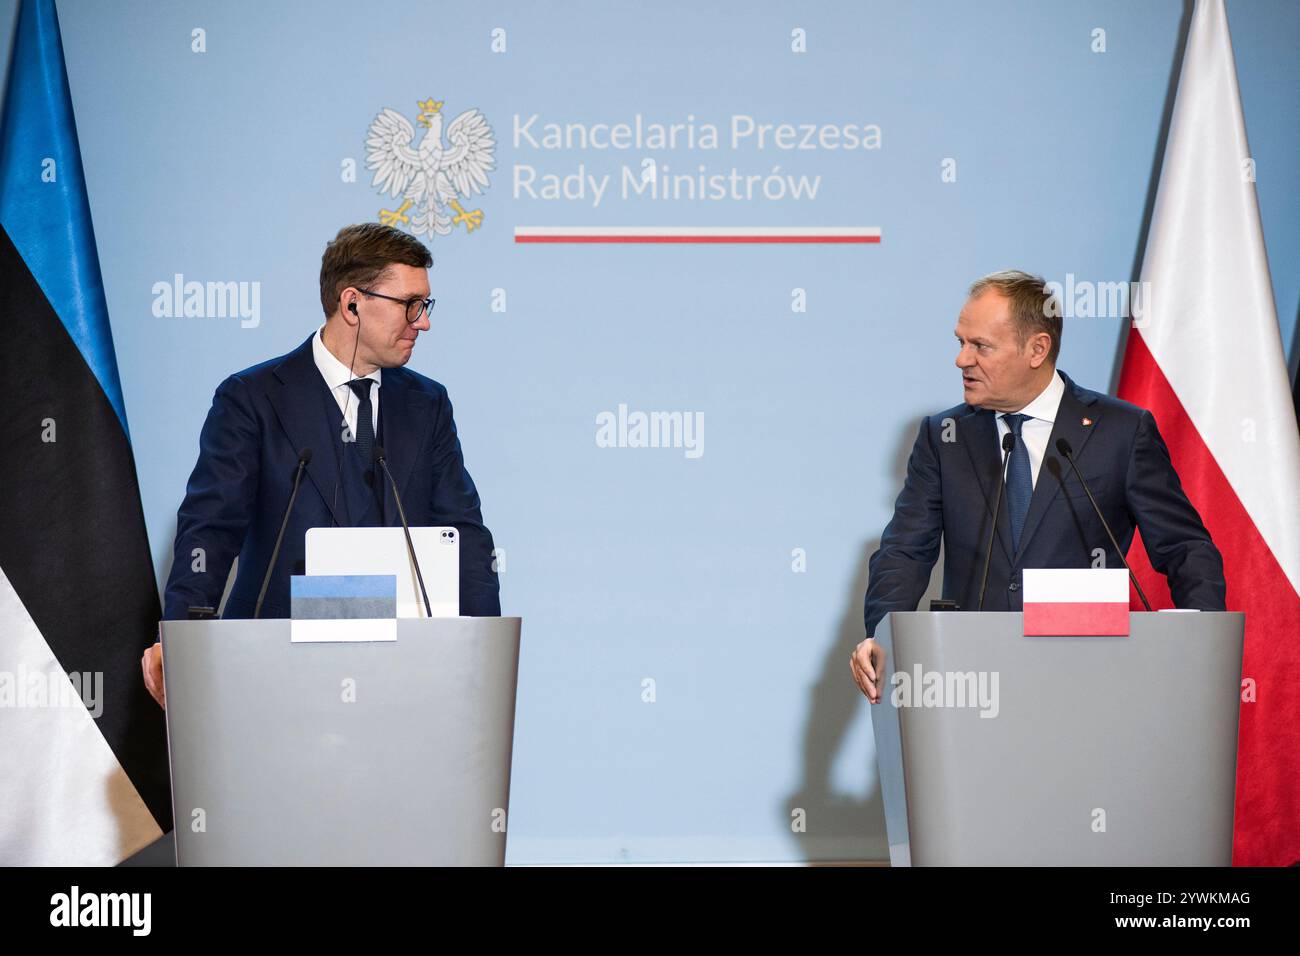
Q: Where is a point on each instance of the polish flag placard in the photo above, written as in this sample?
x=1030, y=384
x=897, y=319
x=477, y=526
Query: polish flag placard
x=1075, y=602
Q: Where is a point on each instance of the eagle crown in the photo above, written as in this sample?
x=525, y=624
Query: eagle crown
x=428, y=109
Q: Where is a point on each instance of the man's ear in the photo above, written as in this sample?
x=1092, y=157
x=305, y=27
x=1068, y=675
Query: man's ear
x=1040, y=346
x=348, y=308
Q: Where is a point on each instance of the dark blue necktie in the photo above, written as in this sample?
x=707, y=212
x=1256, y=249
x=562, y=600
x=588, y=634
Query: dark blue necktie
x=365, y=436
x=1020, y=479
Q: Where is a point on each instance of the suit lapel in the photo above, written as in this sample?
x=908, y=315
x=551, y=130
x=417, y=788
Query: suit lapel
x=401, y=410
x=300, y=405
x=978, y=432
x=1076, y=405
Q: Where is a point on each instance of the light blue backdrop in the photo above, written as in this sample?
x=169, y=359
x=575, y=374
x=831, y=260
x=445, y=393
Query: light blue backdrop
x=633, y=564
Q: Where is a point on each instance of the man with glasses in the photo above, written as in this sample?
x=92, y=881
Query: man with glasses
x=340, y=394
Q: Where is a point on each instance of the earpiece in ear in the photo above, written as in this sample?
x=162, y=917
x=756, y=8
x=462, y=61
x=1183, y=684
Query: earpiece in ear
x=352, y=307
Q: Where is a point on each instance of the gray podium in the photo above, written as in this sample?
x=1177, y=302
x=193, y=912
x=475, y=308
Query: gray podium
x=1115, y=751
x=381, y=753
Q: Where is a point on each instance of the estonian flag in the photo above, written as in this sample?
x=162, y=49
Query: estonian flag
x=83, y=750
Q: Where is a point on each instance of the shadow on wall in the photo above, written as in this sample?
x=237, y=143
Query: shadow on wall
x=1295, y=363
x=845, y=826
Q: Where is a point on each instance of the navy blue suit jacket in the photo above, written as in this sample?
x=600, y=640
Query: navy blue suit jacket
x=949, y=494
x=261, y=418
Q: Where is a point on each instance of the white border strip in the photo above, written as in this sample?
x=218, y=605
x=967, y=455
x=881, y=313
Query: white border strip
x=784, y=232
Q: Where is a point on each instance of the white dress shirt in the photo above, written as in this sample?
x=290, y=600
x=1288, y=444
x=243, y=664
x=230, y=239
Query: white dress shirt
x=1037, y=431
x=337, y=376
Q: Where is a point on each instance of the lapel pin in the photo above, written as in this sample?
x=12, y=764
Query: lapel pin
x=1087, y=422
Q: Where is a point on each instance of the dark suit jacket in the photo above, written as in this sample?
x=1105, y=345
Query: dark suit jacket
x=261, y=418
x=949, y=493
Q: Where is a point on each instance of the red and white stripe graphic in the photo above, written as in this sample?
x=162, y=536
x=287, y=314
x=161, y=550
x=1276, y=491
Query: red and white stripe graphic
x=1075, y=601
x=699, y=234
x=1206, y=358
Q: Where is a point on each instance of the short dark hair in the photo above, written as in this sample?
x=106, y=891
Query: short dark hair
x=1034, y=307
x=359, y=254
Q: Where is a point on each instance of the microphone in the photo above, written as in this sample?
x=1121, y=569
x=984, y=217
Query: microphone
x=1008, y=442
x=304, y=457
x=406, y=529
x=1067, y=453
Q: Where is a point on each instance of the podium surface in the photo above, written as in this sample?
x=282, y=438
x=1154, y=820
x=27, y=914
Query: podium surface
x=1116, y=751
x=375, y=753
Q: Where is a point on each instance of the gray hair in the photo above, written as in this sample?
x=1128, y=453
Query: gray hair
x=1034, y=307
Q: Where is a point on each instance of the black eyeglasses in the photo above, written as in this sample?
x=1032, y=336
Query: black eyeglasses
x=414, y=307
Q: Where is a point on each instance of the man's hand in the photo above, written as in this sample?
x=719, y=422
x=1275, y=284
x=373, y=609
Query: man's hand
x=151, y=664
x=868, y=664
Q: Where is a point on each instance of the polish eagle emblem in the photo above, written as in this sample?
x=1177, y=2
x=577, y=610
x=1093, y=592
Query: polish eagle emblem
x=432, y=177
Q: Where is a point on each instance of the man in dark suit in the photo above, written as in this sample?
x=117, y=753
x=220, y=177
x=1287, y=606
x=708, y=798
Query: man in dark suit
x=1009, y=336
x=340, y=394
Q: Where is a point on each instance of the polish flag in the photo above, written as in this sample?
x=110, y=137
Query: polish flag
x=1075, y=601
x=1205, y=356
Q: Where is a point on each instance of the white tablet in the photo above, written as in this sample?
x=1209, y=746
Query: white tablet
x=383, y=551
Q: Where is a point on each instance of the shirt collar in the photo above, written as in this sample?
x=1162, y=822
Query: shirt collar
x=1045, y=406
x=332, y=370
